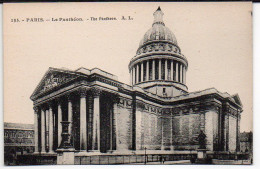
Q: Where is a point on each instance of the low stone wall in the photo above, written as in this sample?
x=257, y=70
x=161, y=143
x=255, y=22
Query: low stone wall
x=128, y=159
x=36, y=159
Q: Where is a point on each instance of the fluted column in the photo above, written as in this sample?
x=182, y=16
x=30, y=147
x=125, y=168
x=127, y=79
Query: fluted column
x=153, y=70
x=83, y=120
x=142, y=71
x=51, y=122
x=171, y=74
x=147, y=70
x=70, y=116
x=43, y=145
x=166, y=69
x=137, y=73
x=59, y=122
x=36, y=132
x=177, y=72
x=47, y=115
x=96, y=120
x=181, y=73
x=134, y=75
x=160, y=70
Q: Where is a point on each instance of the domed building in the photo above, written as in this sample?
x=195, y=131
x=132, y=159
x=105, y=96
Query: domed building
x=90, y=113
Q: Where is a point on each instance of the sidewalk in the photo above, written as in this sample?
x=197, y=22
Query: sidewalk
x=165, y=163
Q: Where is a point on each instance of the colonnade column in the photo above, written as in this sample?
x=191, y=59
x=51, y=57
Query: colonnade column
x=96, y=121
x=131, y=76
x=171, y=74
x=134, y=75
x=160, y=69
x=43, y=146
x=153, y=70
x=147, y=70
x=181, y=74
x=70, y=117
x=142, y=72
x=50, y=129
x=47, y=115
x=83, y=120
x=36, y=132
x=166, y=69
x=137, y=73
x=184, y=74
x=177, y=72
x=59, y=122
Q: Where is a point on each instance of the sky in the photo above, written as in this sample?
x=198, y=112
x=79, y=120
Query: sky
x=216, y=38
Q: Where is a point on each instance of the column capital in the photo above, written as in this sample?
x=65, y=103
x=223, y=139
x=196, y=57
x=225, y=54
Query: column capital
x=51, y=105
x=44, y=106
x=36, y=109
x=59, y=100
x=69, y=96
x=82, y=92
x=115, y=98
x=96, y=92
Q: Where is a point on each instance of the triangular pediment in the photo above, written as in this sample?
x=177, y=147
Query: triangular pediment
x=54, y=78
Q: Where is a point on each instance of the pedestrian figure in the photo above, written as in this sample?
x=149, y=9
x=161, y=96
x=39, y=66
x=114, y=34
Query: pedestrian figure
x=161, y=159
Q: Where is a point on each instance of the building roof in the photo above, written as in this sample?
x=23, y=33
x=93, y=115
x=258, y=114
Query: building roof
x=21, y=126
x=83, y=72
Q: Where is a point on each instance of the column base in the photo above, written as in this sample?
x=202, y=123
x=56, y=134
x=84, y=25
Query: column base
x=65, y=150
x=162, y=147
x=202, y=153
x=172, y=147
x=95, y=151
x=51, y=152
x=65, y=158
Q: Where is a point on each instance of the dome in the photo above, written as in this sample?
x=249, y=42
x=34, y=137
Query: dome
x=158, y=32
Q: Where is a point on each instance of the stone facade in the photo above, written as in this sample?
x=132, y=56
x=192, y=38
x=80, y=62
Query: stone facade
x=90, y=111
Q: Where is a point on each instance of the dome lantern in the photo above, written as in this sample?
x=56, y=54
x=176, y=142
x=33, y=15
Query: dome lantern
x=158, y=17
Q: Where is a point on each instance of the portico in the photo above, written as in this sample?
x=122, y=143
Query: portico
x=82, y=109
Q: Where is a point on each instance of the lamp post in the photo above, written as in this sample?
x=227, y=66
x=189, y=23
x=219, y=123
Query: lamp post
x=145, y=155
